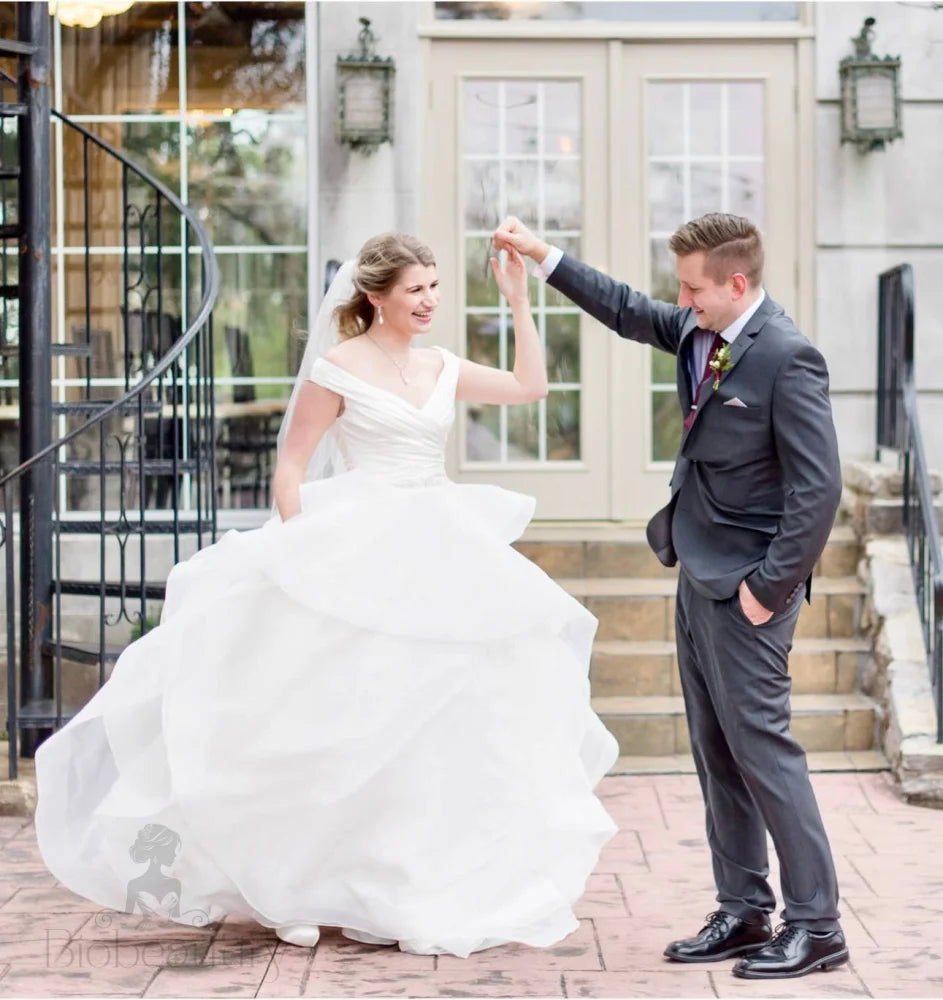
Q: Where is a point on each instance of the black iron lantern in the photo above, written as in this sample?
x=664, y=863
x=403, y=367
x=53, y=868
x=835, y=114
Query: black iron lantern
x=870, y=94
x=365, y=95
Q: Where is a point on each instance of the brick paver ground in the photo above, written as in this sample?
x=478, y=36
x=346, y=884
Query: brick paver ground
x=652, y=884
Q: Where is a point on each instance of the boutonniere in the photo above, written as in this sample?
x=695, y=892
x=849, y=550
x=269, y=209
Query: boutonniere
x=719, y=363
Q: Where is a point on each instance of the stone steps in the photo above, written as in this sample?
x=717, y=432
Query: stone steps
x=591, y=550
x=655, y=725
x=634, y=675
x=650, y=667
x=820, y=762
x=643, y=608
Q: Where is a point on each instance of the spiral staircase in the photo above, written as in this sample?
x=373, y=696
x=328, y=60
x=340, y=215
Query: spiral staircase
x=116, y=474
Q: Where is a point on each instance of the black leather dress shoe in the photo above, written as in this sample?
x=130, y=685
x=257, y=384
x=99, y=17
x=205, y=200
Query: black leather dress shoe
x=723, y=936
x=793, y=952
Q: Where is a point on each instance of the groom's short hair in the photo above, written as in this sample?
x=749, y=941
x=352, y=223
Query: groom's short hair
x=730, y=244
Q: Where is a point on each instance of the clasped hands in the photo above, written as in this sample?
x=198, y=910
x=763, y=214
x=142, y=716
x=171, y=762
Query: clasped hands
x=513, y=235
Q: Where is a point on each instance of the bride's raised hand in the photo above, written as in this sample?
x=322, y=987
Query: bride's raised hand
x=512, y=281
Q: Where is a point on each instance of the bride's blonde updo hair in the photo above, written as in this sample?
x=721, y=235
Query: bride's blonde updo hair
x=380, y=262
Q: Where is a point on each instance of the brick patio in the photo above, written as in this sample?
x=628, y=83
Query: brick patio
x=652, y=884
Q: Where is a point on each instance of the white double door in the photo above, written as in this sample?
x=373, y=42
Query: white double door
x=604, y=148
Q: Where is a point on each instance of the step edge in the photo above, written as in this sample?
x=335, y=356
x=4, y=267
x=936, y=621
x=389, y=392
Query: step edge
x=802, y=704
x=655, y=586
x=805, y=645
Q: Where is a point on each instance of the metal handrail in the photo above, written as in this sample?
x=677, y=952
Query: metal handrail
x=191, y=406
x=898, y=428
x=210, y=294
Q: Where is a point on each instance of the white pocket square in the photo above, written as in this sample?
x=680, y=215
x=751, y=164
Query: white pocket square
x=736, y=401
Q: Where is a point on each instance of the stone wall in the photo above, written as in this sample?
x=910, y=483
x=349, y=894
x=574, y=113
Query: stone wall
x=898, y=677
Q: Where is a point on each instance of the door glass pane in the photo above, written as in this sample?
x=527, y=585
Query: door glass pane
x=665, y=111
x=704, y=118
x=523, y=432
x=664, y=367
x=522, y=155
x=483, y=433
x=746, y=190
x=705, y=154
x=666, y=196
x=561, y=133
x=483, y=339
x=481, y=178
x=480, y=123
x=563, y=347
x=663, y=284
x=570, y=245
x=706, y=193
x=523, y=193
x=562, y=187
x=521, y=110
x=480, y=288
x=666, y=426
x=563, y=426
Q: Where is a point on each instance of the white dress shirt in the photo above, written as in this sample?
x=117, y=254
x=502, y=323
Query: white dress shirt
x=704, y=339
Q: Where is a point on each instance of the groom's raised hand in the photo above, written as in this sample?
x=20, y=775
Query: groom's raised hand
x=512, y=233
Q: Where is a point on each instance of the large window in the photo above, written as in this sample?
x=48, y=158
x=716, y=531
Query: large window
x=522, y=155
x=209, y=98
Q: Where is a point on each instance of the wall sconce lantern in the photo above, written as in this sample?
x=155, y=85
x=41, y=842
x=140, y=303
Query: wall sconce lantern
x=365, y=95
x=870, y=94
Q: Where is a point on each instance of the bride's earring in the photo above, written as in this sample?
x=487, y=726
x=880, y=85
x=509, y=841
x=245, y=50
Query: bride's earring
x=380, y=315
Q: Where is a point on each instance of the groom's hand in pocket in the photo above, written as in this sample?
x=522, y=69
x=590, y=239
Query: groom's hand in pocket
x=512, y=233
x=755, y=612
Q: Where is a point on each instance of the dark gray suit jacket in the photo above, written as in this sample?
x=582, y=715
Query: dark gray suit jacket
x=755, y=488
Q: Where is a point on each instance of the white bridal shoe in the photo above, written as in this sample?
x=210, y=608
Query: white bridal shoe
x=303, y=935
x=364, y=938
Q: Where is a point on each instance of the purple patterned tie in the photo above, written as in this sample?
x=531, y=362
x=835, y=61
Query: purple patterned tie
x=708, y=374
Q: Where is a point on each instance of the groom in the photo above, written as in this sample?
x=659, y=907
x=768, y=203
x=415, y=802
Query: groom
x=755, y=488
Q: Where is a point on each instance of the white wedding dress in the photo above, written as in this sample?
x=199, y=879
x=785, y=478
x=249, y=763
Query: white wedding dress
x=374, y=716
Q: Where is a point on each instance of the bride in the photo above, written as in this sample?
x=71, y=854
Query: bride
x=372, y=712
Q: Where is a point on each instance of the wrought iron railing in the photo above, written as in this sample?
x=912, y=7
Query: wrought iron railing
x=898, y=428
x=134, y=459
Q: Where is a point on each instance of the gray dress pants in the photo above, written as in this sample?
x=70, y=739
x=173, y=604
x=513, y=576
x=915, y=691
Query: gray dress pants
x=753, y=774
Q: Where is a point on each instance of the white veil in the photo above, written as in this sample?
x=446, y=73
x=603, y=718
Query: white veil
x=327, y=459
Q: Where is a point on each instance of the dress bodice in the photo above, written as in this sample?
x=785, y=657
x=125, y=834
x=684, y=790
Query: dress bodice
x=383, y=433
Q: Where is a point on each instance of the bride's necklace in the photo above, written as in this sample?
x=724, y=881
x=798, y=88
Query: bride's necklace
x=400, y=365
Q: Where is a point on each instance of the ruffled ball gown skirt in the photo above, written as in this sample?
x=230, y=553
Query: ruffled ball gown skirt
x=375, y=716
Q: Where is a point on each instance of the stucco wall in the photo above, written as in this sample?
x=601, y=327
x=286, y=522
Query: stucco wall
x=361, y=195
x=875, y=210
